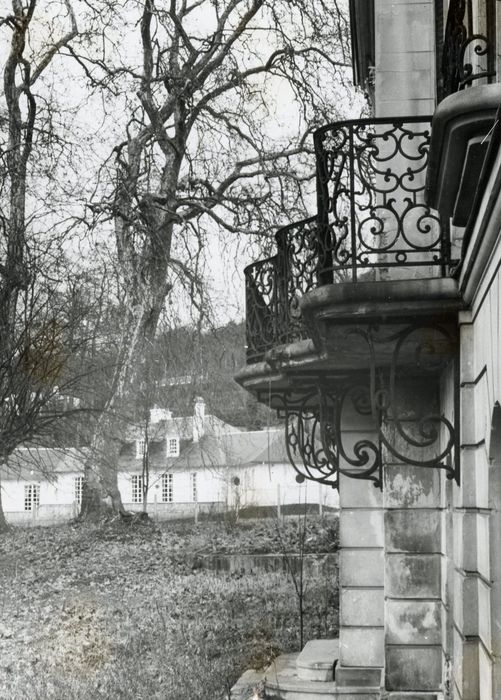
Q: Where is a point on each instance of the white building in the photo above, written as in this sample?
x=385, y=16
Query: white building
x=196, y=464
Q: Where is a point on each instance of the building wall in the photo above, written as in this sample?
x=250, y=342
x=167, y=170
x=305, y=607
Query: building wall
x=405, y=57
x=259, y=485
x=57, y=500
x=275, y=484
x=477, y=508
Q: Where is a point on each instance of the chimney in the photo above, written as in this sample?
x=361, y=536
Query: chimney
x=157, y=414
x=198, y=419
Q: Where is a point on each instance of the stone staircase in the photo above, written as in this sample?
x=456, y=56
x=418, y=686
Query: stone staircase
x=308, y=675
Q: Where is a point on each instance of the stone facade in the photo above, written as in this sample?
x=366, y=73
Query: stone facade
x=420, y=564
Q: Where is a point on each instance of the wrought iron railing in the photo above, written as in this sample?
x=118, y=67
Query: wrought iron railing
x=274, y=286
x=371, y=210
x=372, y=220
x=468, y=51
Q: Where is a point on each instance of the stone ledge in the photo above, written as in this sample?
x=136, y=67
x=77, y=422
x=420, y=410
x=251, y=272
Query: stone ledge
x=317, y=660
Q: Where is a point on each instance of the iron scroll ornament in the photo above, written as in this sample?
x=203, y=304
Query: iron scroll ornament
x=370, y=181
x=314, y=438
x=463, y=47
x=315, y=431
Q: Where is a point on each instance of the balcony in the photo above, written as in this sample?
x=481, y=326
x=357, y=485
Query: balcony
x=357, y=309
x=372, y=226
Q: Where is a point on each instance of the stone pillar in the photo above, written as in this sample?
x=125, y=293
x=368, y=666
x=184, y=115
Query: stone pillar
x=472, y=662
x=413, y=546
x=361, y=631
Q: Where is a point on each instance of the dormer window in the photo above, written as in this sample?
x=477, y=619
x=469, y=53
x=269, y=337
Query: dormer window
x=140, y=447
x=172, y=447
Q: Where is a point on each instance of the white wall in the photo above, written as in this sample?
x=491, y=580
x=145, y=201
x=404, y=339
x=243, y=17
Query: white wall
x=57, y=500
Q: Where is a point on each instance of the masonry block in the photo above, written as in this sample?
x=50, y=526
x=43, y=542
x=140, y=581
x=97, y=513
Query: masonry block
x=483, y=538
x=362, y=677
x=361, y=528
x=466, y=603
x=361, y=567
x=484, y=674
x=413, y=668
x=484, y=613
x=406, y=486
x=357, y=493
x=361, y=646
x=413, y=622
x=412, y=531
x=362, y=607
x=414, y=696
x=412, y=575
x=391, y=62
x=473, y=490
x=471, y=542
x=406, y=32
x=393, y=108
x=465, y=667
x=408, y=81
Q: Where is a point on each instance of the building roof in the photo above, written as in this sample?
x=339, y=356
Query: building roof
x=181, y=427
x=26, y=463
x=230, y=448
x=233, y=449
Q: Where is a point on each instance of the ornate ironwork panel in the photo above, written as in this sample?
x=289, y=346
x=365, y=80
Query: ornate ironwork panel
x=370, y=183
x=468, y=51
x=315, y=440
x=275, y=285
x=262, y=280
x=371, y=215
x=322, y=427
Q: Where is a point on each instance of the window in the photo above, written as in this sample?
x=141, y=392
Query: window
x=193, y=482
x=167, y=488
x=173, y=447
x=137, y=488
x=77, y=488
x=31, y=496
x=140, y=446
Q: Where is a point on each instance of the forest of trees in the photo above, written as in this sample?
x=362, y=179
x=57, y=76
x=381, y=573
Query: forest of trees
x=132, y=136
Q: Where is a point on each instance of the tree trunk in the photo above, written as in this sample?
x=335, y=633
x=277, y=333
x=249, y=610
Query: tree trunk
x=101, y=494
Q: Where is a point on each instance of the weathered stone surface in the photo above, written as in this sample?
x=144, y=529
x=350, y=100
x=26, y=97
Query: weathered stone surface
x=412, y=531
x=413, y=668
x=316, y=661
x=418, y=20
x=368, y=677
x=361, y=567
x=359, y=646
x=466, y=551
x=413, y=622
x=473, y=490
x=465, y=606
x=406, y=486
x=465, y=667
x=361, y=528
x=484, y=673
x=357, y=493
x=391, y=108
x=412, y=575
x=362, y=607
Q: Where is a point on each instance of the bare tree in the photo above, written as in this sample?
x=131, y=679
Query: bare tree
x=31, y=333
x=215, y=101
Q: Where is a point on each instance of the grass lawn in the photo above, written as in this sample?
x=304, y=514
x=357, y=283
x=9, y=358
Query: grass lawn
x=120, y=611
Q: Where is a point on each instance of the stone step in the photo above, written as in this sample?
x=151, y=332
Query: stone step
x=283, y=683
x=317, y=660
